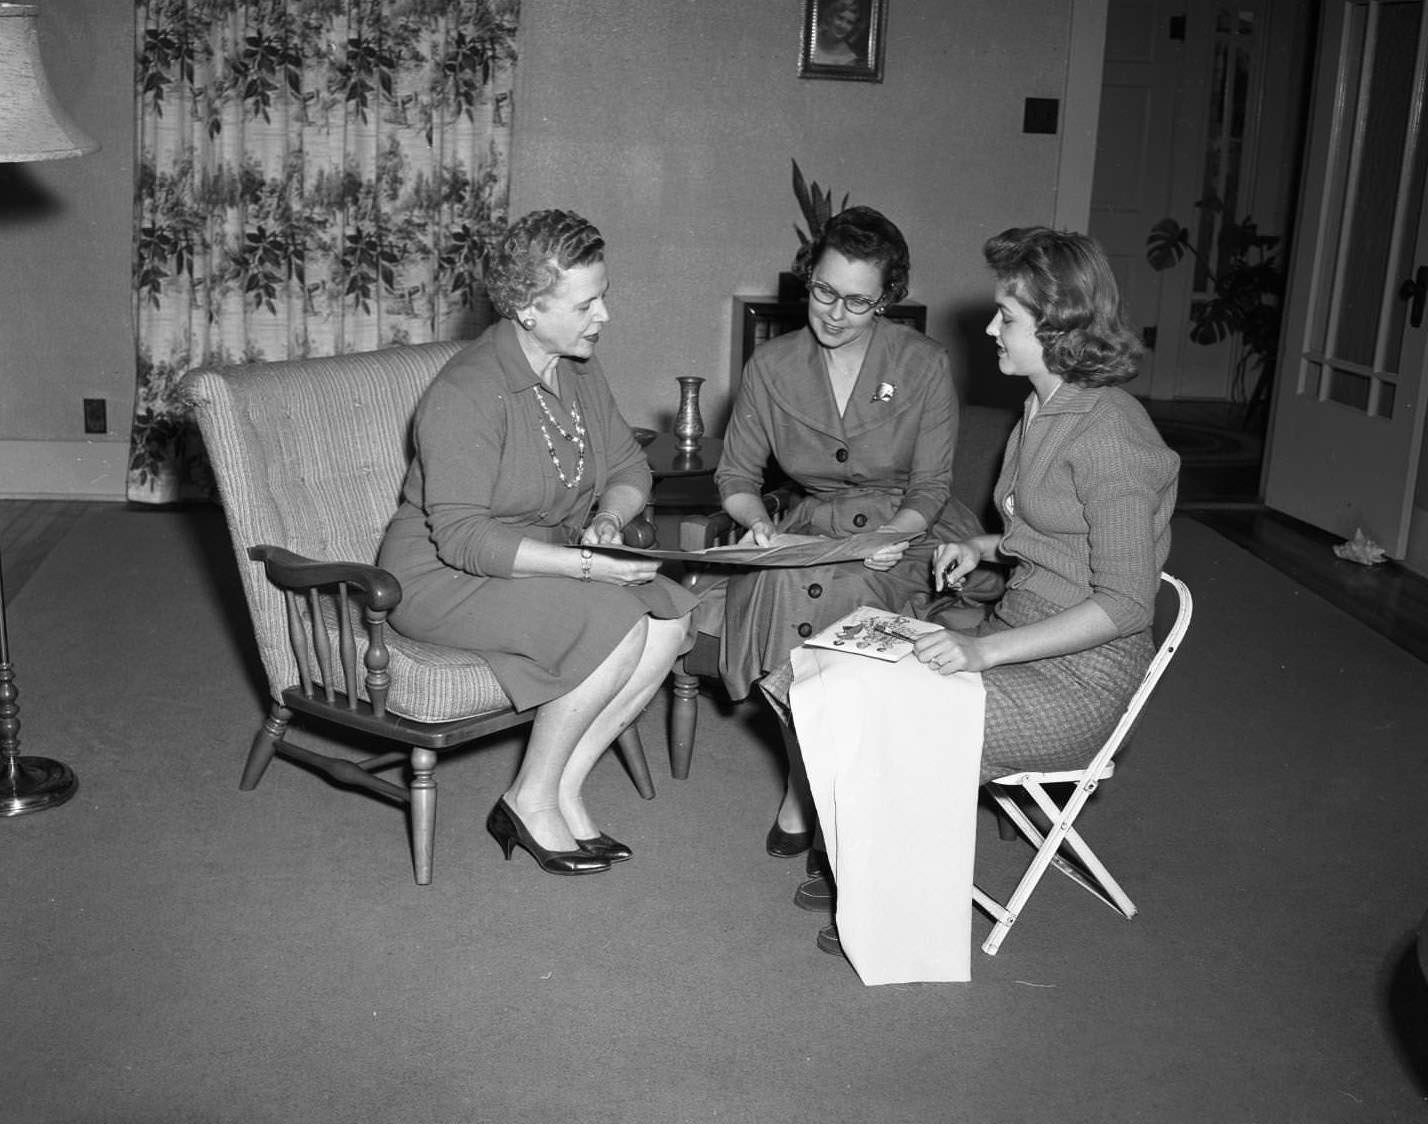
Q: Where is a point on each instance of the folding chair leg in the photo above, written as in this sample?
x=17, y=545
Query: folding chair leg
x=995, y=910
x=1100, y=882
x=423, y=812
x=1048, y=845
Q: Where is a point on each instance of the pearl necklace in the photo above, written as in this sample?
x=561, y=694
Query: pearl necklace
x=577, y=438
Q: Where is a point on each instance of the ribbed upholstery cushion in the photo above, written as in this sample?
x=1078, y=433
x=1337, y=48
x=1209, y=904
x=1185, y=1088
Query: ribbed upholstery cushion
x=310, y=454
x=430, y=682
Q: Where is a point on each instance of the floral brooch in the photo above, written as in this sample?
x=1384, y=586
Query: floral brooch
x=885, y=392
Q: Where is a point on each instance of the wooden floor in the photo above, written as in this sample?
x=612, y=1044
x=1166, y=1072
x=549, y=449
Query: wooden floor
x=1389, y=599
x=29, y=530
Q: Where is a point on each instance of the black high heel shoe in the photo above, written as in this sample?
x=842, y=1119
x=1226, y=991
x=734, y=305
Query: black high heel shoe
x=603, y=847
x=786, y=844
x=510, y=832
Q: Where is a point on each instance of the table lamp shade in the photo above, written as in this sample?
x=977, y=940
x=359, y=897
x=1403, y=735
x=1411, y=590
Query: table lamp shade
x=32, y=124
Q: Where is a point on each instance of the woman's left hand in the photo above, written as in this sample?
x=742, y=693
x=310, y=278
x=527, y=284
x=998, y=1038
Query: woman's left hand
x=889, y=556
x=604, y=529
x=948, y=652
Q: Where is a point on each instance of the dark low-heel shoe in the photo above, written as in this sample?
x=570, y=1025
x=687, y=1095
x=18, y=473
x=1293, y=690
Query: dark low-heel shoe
x=786, y=844
x=508, y=830
x=814, y=895
x=603, y=847
x=828, y=940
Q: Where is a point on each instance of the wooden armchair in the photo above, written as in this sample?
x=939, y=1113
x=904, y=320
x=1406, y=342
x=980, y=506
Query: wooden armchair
x=309, y=456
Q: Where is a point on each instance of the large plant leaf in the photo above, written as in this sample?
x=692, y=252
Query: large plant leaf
x=1165, y=245
x=1214, y=320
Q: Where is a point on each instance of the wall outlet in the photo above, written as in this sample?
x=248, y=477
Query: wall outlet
x=1040, y=115
x=96, y=416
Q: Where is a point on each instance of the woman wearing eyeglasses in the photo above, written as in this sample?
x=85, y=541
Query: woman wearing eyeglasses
x=861, y=415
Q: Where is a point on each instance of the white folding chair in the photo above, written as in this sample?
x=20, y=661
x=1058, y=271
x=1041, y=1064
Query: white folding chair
x=1060, y=833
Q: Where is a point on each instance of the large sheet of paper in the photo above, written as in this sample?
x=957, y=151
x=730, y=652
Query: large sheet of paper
x=783, y=550
x=893, y=752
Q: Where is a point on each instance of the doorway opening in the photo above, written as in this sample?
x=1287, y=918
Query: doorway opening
x=1203, y=110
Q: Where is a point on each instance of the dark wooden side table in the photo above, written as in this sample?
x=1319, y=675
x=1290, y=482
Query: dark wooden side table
x=681, y=479
x=683, y=482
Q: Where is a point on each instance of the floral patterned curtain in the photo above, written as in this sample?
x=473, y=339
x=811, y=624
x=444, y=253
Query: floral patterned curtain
x=314, y=177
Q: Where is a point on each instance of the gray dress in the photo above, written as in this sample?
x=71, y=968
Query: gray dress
x=481, y=481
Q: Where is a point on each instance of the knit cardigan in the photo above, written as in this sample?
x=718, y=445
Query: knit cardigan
x=1086, y=492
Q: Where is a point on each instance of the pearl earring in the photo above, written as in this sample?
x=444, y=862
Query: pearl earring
x=528, y=323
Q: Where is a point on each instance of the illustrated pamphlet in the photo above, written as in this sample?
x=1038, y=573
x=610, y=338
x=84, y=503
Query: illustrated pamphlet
x=872, y=632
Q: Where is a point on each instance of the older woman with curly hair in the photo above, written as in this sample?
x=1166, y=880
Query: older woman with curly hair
x=522, y=463
x=1086, y=492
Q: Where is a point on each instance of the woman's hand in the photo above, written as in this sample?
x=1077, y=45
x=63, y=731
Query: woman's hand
x=885, y=558
x=948, y=652
x=603, y=529
x=760, y=534
x=952, y=562
x=619, y=569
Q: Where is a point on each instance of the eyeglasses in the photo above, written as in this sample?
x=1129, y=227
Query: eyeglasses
x=826, y=294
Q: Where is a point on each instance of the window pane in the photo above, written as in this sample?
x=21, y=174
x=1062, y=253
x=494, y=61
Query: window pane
x=1349, y=389
x=1369, y=213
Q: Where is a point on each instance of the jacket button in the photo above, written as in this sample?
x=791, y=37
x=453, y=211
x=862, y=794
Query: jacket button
x=815, y=590
x=841, y=455
x=805, y=630
x=860, y=520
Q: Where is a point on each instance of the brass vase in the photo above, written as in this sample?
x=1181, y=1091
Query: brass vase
x=688, y=423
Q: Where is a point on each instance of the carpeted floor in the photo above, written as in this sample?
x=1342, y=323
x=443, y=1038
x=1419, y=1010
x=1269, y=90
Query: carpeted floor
x=174, y=951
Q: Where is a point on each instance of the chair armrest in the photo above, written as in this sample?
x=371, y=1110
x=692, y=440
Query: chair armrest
x=639, y=532
x=292, y=571
x=311, y=581
x=700, y=532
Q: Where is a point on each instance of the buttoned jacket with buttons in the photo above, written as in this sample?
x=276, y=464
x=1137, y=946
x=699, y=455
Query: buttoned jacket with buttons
x=897, y=433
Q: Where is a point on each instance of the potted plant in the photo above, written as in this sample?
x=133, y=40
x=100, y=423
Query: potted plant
x=816, y=203
x=1246, y=282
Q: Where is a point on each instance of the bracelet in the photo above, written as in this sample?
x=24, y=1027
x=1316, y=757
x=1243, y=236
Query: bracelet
x=586, y=554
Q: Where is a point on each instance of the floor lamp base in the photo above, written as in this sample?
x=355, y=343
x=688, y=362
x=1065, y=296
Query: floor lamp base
x=32, y=784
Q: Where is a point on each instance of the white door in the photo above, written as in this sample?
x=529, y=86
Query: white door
x=1185, y=113
x=1348, y=416
x=1134, y=154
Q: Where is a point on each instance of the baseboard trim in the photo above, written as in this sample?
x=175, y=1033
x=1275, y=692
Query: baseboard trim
x=73, y=470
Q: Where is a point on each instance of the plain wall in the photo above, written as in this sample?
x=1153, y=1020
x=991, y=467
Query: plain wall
x=66, y=232
x=669, y=123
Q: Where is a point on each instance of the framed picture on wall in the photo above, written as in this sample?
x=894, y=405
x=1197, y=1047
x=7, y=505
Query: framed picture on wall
x=843, y=39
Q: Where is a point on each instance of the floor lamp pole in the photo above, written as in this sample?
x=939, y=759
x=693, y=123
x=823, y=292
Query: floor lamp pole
x=27, y=784
x=33, y=127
